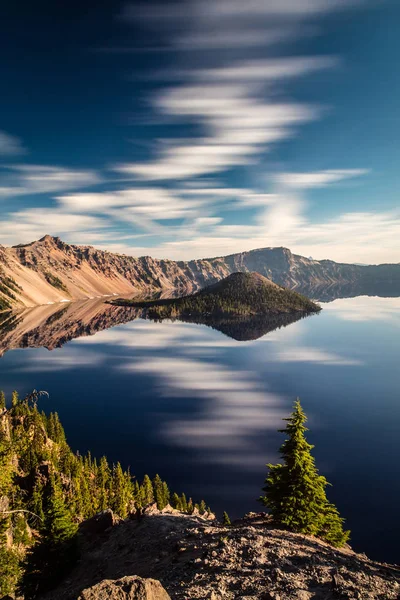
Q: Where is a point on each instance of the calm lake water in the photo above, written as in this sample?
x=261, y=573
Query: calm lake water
x=202, y=409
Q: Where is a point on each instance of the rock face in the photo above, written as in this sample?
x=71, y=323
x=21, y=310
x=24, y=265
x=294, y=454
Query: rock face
x=127, y=588
x=50, y=270
x=196, y=559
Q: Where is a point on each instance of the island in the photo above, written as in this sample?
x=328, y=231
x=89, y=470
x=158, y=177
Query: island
x=238, y=295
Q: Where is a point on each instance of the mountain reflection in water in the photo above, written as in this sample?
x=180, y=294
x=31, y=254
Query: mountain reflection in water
x=52, y=327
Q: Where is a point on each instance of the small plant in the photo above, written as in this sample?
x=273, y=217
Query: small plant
x=225, y=519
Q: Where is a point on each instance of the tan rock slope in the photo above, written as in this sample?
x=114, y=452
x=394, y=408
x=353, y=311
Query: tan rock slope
x=50, y=270
x=197, y=559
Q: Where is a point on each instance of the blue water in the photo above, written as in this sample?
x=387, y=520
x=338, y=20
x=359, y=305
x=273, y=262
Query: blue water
x=202, y=409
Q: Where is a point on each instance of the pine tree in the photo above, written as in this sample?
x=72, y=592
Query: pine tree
x=14, y=399
x=295, y=492
x=57, y=551
x=158, y=492
x=166, y=493
x=184, y=504
x=103, y=484
x=190, y=507
x=147, y=489
x=60, y=527
x=176, y=501
x=225, y=519
x=117, y=491
x=202, y=507
x=2, y=400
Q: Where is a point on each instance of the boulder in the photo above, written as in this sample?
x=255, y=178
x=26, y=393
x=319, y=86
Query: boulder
x=126, y=588
x=99, y=523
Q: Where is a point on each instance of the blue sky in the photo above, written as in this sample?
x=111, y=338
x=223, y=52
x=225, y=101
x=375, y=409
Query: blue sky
x=199, y=128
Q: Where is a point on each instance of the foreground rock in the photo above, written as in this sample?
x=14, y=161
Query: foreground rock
x=197, y=559
x=127, y=588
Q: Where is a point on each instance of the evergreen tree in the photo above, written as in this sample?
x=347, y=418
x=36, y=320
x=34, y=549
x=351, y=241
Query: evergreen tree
x=121, y=491
x=202, y=507
x=103, y=483
x=147, y=489
x=2, y=400
x=166, y=493
x=295, y=492
x=56, y=553
x=225, y=519
x=60, y=527
x=184, y=504
x=176, y=501
x=14, y=399
x=158, y=492
x=137, y=494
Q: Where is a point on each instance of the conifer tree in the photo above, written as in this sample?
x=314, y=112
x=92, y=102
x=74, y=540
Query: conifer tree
x=14, y=399
x=184, y=504
x=118, y=500
x=190, y=507
x=166, y=493
x=2, y=400
x=202, y=507
x=56, y=553
x=103, y=483
x=158, y=492
x=137, y=494
x=59, y=524
x=225, y=519
x=176, y=501
x=147, y=488
x=295, y=492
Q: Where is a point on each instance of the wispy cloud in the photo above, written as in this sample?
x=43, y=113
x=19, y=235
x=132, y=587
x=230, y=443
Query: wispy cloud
x=10, y=145
x=17, y=180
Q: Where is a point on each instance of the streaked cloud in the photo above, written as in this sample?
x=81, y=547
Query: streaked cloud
x=10, y=145
x=23, y=179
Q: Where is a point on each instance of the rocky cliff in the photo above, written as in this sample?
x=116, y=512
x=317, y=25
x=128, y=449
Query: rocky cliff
x=50, y=270
x=197, y=559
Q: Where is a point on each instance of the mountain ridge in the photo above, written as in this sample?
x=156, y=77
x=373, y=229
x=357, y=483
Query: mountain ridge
x=50, y=270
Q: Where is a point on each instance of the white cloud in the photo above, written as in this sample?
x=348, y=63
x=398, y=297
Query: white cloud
x=267, y=69
x=367, y=308
x=10, y=145
x=316, y=179
x=17, y=180
x=235, y=406
x=315, y=355
x=29, y=225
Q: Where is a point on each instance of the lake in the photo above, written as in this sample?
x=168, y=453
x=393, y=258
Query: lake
x=202, y=409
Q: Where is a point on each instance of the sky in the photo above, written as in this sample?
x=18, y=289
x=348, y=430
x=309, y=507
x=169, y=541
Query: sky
x=200, y=128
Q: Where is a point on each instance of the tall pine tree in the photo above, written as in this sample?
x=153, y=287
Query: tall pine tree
x=295, y=492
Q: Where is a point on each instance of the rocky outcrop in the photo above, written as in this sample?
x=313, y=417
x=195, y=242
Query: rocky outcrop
x=195, y=560
x=127, y=588
x=49, y=270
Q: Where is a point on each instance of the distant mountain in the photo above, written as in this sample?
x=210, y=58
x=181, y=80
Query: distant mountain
x=50, y=270
x=238, y=295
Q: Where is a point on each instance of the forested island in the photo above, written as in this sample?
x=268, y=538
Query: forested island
x=238, y=295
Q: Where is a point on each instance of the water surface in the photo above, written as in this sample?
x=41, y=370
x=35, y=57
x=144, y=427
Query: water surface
x=202, y=409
